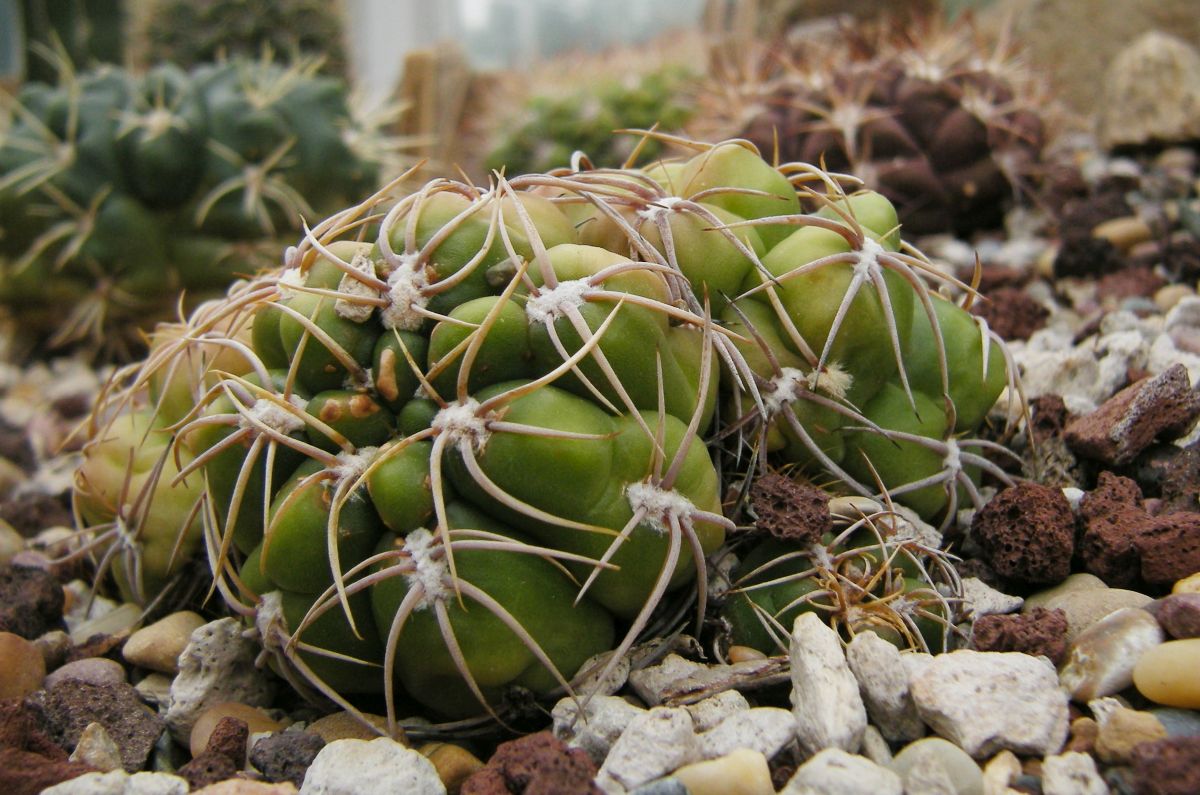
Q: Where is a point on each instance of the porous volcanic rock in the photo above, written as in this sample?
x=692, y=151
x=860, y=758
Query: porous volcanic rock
x=1112, y=516
x=1027, y=533
x=1038, y=632
x=1169, y=547
x=31, y=601
x=538, y=763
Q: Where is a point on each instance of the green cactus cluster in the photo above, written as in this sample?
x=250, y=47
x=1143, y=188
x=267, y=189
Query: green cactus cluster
x=192, y=32
x=463, y=442
x=555, y=128
x=119, y=191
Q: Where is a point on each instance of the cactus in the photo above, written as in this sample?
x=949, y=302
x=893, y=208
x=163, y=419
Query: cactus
x=191, y=33
x=949, y=132
x=459, y=437
x=557, y=127
x=118, y=192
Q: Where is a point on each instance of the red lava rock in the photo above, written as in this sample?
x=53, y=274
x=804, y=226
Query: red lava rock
x=228, y=739
x=30, y=514
x=790, y=510
x=1170, y=547
x=69, y=706
x=1012, y=313
x=208, y=768
x=1112, y=516
x=538, y=764
x=1177, y=475
x=1129, y=283
x=1167, y=767
x=285, y=756
x=27, y=773
x=1048, y=416
x=21, y=728
x=31, y=602
x=1040, y=631
x=1086, y=257
x=1163, y=406
x=1027, y=533
x=1179, y=615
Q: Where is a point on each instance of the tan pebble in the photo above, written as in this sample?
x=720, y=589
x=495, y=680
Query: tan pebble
x=739, y=654
x=454, y=763
x=1167, y=297
x=1167, y=674
x=1124, y=232
x=22, y=668
x=121, y=620
x=1087, y=607
x=242, y=786
x=256, y=720
x=1124, y=729
x=158, y=646
x=1045, y=262
x=1189, y=584
x=345, y=726
x=1076, y=582
x=1000, y=771
x=743, y=772
x=1100, y=661
x=96, y=748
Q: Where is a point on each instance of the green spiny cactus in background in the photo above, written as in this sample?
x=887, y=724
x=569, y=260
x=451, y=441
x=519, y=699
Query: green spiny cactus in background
x=119, y=191
x=556, y=128
x=923, y=113
x=464, y=444
x=192, y=32
x=87, y=31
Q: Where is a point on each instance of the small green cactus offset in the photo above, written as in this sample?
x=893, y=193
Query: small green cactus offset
x=117, y=192
x=454, y=447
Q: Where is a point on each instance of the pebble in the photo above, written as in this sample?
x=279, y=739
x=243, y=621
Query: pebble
x=826, y=703
x=604, y=719
x=454, y=764
x=286, y=755
x=158, y=646
x=55, y=646
x=653, y=745
x=242, y=786
x=1167, y=675
x=1001, y=770
x=883, y=683
x=154, y=689
x=118, y=782
x=935, y=759
x=836, y=772
x=712, y=711
x=986, y=701
x=367, y=767
x=1179, y=615
x=256, y=721
x=11, y=542
x=1086, y=607
x=1167, y=297
x=1124, y=232
x=982, y=599
x=1076, y=582
x=121, y=619
x=1100, y=661
x=216, y=667
x=22, y=668
x=347, y=726
x=1122, y=730
x=96, y=749
x=1189, y=584
x=763, y=729
x=1071, y=773
x=93, y=670
x=742, y=772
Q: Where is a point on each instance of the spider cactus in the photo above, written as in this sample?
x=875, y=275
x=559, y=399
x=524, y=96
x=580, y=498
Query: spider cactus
x=455, y=446
x=119, y=191
x=948, y=132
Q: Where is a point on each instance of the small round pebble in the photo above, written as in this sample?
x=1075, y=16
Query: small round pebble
x=11, y=542
x=93, y=670
x=1190, y=584
x=256, y=720
x=1086, y=607
x=366, y=767
x=454, y=763
x=960, y=768
x=158, y=646
x=743, y=772
x=1167, y=674
x=345, y=726
x=22, y=668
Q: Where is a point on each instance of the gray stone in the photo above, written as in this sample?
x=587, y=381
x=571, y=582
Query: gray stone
x=1086, y=607
x=602, y=721
x=714, y=710
x=883, y=683
x=1071, y=773
x=118, y=782
x=654, y=744
x=216, y=666
x=836, y=772
x=93, y=670
x=986, y=701
x=764, y=729
x=932, y=765
x=367, y=767
x=1151, y=93
x=828, y=708
x=1178, y=722
x=981, y=599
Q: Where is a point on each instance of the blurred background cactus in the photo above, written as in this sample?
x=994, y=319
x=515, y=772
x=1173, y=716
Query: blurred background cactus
x=121, y=192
